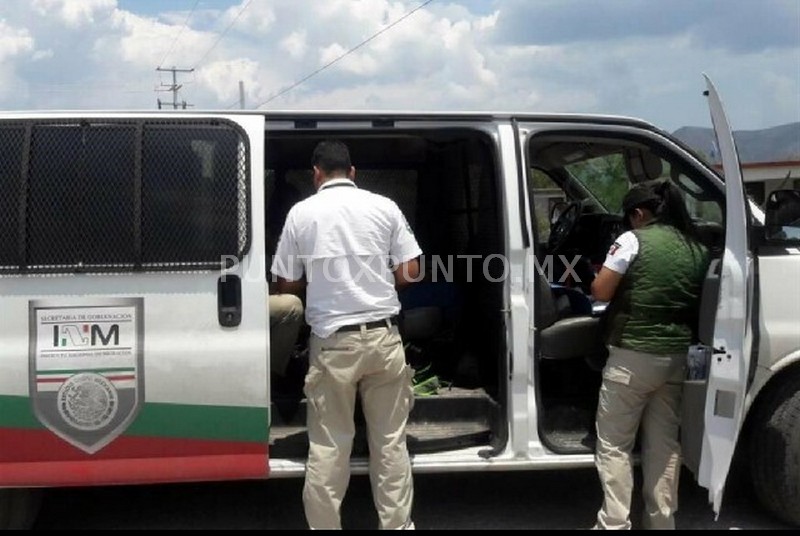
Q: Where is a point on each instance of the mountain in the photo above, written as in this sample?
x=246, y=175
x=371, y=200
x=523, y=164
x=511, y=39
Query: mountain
x=776, y=144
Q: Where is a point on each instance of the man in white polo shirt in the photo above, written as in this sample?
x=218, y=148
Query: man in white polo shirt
x=350, y=250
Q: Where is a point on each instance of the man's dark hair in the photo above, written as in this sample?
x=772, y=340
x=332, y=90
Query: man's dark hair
x=331, y=156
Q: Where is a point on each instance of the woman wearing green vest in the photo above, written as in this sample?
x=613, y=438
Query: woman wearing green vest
x=652, y=277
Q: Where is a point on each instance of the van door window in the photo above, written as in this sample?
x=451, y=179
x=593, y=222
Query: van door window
x=596, y=173
x=194, y=192
x=756, y=192
x=122, y=195
x=546, y=196
x=80, y=196
x=702, y=208
x=12, y=138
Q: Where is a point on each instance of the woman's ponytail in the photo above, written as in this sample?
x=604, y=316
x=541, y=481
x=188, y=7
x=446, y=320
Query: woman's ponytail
x=671, y=209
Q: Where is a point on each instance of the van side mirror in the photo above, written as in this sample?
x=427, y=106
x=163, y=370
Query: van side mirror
x=782, y=222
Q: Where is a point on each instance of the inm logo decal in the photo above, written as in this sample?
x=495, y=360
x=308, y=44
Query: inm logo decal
x=86, y=372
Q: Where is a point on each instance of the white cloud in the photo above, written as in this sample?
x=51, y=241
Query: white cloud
x=295, y=44
x=260, y=18
x=738, y=25
x=232, y=71
x=43, y=54
x=142, y=42
x=74, y=13
x=779, y=94
x=14, y=41
x=544, y=56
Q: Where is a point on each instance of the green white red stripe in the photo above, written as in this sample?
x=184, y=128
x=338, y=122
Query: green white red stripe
x=166, y=442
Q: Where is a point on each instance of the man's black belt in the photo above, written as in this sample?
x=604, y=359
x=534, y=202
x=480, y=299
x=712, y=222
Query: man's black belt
x=370, y=325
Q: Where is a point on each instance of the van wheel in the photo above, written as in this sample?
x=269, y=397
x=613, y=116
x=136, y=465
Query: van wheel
x=775, y=449
x=19, y=508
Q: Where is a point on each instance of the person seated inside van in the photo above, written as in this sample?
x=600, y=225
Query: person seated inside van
x=286, y=312
x=285, y=320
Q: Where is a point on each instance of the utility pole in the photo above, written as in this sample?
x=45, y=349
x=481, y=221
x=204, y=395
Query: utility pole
x=174, y=87
x=241, y=94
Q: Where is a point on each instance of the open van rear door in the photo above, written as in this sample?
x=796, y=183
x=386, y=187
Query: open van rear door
x=730, y=362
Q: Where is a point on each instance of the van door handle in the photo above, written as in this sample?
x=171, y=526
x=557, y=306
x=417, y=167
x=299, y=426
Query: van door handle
x=229, y=301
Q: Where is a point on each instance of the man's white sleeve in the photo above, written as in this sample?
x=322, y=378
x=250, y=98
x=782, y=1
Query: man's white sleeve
x=286, y=262
x=622, y=252
x=403, y=247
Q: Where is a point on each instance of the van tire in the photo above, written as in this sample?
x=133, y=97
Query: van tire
x=19, y=508
x=775, y=449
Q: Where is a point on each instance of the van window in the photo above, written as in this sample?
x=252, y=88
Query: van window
x=545, y=195
x=596, y=173
x=605, y=177
x=701, y=208
x=756, y=191
x=116, y=195
x=11, y=139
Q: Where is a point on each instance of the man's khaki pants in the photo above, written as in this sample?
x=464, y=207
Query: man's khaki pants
x=639, y=387
x=285, y=319
x=372, y=364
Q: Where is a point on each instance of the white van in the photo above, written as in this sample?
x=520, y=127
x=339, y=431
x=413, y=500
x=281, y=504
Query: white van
x=134, y=333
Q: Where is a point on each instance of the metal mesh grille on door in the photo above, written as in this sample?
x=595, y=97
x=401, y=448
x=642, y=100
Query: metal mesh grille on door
x=117, y=195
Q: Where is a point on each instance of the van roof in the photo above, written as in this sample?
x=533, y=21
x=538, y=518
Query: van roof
x=341, y=115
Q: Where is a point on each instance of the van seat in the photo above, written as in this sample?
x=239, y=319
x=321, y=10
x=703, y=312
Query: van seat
x=427, y=309
x=563, y=337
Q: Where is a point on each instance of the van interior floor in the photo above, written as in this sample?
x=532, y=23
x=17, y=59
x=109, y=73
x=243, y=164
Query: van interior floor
x=568, y=427
x=569, y=391
x=451, y=419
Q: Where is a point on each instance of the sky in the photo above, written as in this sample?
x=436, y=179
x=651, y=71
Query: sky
x=638, y=58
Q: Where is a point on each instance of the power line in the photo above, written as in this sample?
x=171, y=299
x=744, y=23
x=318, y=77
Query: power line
x=198, y=62
x=189, y=16
x=361, y=44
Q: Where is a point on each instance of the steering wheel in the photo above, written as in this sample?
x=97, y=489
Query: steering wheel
x=563, y=223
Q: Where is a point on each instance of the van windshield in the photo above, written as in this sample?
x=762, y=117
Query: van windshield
x=604, y=177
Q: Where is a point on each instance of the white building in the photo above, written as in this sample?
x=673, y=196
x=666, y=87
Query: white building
x=761, y=178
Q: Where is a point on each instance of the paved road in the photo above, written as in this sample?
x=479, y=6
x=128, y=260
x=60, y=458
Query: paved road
x=529, y=500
